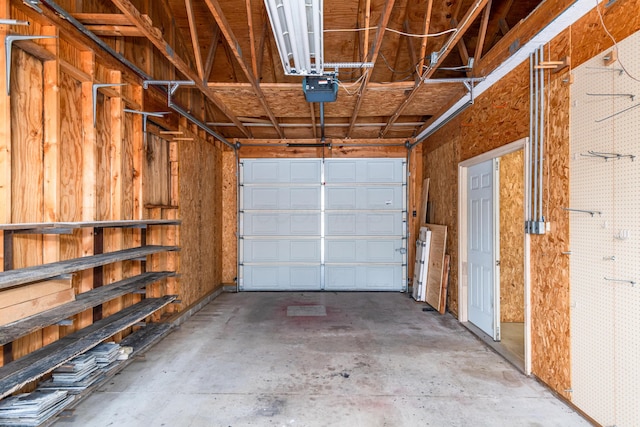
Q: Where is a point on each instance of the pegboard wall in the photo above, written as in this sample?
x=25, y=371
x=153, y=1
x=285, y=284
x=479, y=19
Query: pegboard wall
x=605, y=244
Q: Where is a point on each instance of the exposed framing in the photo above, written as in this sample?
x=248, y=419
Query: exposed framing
x=463, y=276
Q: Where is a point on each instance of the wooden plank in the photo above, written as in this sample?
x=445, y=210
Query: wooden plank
x=102, y=18
x=115, y=30
x=425, y=31
x=445, y=284
x=32, y=307
x=22, y=276
x=193, y=30
x=51, y=227
x=19, y=373
x=13, y=296
x=424, y=200
x=483, y=31
x=82, y=302
x=436, y=264
x=212, y=54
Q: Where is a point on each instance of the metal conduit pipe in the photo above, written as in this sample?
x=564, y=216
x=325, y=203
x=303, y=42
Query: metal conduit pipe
x=528, y=192
x=540, y=215
x=536, y=61
x=124, y=61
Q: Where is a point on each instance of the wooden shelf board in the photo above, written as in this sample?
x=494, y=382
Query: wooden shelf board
x=84, y=301
x=19, y=373
x=22, y=276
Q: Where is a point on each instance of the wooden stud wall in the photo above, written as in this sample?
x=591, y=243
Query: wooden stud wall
x=501, y=116
x=57, y=166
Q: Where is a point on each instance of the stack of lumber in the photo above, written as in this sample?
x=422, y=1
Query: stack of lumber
x=106, y=353
x=75, y=375
x=32, y=409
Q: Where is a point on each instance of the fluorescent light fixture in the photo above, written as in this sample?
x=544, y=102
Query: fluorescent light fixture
x=297, y=27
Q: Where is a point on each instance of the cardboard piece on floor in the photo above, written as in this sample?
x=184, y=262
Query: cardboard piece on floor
x=436, y=265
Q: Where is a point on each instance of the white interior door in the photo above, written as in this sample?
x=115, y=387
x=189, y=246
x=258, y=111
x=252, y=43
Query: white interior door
x=483, y=294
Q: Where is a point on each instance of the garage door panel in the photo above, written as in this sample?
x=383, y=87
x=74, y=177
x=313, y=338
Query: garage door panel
x=364, y=198
x=281, y=250
x=364, y=171
x=270, y=171
x=364, y=224
x=358, y=277
x=281, y=224
x=279, y=278
x=281, y=198
x=363, y=250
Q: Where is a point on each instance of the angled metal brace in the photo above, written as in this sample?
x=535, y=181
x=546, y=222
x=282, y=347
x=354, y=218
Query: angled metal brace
x=172, y=85
x=33, y=4
x=94, y=89
x=145, y=115
x=8, y=44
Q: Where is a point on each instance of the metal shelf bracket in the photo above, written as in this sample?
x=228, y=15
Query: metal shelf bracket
x=8, y=45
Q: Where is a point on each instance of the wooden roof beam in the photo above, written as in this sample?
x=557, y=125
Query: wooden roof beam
x=252, y=41
x=211, y=56
x=194, y=38
x=499, y=13
x=232, y=42
x=425, y=39
x=465, y=23
x=382, y=26
x=483, y=31
x=154, y=35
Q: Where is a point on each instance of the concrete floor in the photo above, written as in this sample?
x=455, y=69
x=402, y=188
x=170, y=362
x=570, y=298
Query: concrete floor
x=512, y=338
x=274, y=359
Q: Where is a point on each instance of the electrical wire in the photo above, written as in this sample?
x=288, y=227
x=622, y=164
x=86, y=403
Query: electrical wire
x=402, y=33
x=615, y=43
x=441, y=33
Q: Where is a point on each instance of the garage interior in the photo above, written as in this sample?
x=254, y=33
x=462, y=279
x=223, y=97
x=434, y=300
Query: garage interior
x=172, y=165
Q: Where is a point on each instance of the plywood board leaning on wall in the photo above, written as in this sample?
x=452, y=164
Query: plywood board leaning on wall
x=436, y=265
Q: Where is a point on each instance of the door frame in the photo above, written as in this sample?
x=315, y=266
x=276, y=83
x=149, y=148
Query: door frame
x=463, y=275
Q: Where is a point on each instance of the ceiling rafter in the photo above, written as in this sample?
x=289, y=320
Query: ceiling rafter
x=263, y=41
x=406, y=28
x=382, y=26
x=483, y=31
x=194, y=38
x=144, y=24
x=367, y=23
x=466, y=22
x=252, y=41
x=211, y=55
x=232, y=42
x=425, y=30
x=498, y=14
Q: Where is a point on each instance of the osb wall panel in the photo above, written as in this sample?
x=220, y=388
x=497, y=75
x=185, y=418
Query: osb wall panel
x=501, y=116
x=441, y=167
x=512, y=237
x=229, y=217
x=201, y=214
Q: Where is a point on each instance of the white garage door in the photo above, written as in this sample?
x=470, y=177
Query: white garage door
x=298, y=234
